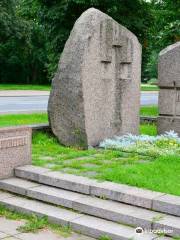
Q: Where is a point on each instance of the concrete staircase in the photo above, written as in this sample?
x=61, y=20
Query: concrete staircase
x=94, y=208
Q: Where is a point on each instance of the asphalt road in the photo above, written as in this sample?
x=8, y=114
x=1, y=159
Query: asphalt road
x=39, y=103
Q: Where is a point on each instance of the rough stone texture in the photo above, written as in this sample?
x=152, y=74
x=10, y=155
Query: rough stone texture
x=91, y=226
x=96, y=90
x=17, y=185
x=106, y=209
x=169, y=83
x=30, y=172
x=15, y=149
x=167, y=203
x=170, y=223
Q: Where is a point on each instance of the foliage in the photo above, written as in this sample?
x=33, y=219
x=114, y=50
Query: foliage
x=58, y=17
x=164, y=31
x=109, y=164
x=33, y=33
x=166, y=144
x=22, y=46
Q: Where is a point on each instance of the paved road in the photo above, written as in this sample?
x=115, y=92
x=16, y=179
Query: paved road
x=18, y=104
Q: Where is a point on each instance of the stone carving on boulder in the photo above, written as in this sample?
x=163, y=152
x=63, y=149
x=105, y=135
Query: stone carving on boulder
x=96, y=90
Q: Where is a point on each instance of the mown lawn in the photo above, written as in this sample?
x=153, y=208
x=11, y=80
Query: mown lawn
x=35, y=118
x=24, y=87
x=148, y=87
x=22, y=119
x=155, y=173
x=149, y=110
x=160, y=173
x=144, y=87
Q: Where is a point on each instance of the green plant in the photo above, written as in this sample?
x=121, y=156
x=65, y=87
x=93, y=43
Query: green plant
x=34, y=224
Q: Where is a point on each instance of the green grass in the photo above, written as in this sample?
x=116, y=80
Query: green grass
x=24, y=87
x=161, y=173
x=22, y=119
x=148, y=129
x=35, y=118
x=149, y=111
x=34, y=223
x=148, y=87
x=144, y=87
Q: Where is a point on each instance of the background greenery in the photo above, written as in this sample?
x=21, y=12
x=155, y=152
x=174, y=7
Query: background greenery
x=33, y=33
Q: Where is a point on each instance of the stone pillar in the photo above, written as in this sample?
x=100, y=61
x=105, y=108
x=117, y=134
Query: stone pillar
x=169, y=94
x=96, y=90
x=15, y=149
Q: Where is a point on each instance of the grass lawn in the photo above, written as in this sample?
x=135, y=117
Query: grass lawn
x=161, y=173
x=144, y=87
x=35, y=118
x=22, y=119
x=149, y=87
x=24, y=87
x=149, y=111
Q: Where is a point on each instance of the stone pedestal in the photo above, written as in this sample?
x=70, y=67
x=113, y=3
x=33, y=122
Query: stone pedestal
x=169, y=94
x=15, y=149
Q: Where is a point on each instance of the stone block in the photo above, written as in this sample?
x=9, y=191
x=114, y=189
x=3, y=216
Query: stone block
x=30, y=172
x=96, y=90
x=67, y=181
x=123, y=193
x=17, y=185
x=114, y=211
x=168, y=66
x=15, y=149
x=167, y=203
x=169, y=94
x=54, y=214
x=97, y=228
x=170, y=224
x=53, y=195
x=168, y=123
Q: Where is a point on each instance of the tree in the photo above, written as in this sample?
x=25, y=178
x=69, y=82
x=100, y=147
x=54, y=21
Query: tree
x=22, y=46
x=59, y=16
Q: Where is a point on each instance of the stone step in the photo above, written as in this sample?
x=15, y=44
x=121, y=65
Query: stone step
x=157, y=201
x=87, y=225
x=106, y=209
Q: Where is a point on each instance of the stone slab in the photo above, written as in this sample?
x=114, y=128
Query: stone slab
x=10, y=226
x=170, y=224
x=114, y=211
x=87, y=225
x=168, y=123
x=118, y=192
x=5, y=195
x=93, y=227
x=53, y=195
x=167, y=203
x=15, y=149
x=3, y=235
x=55, y=214
x=17, y=185
x=106, y=209
x=169, y=93
x=168, y=66
x=49, y=235
x=67, y=181
x=30, y=172
x=124, y=193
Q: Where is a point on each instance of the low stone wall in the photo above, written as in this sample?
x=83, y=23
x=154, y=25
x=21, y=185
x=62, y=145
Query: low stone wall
x=15, y=149
x=146, y=119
